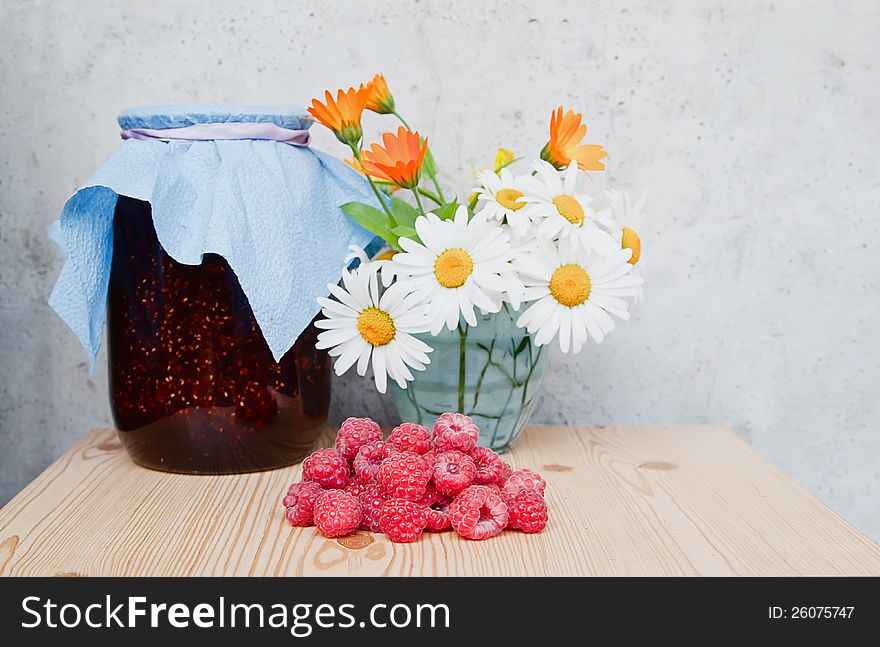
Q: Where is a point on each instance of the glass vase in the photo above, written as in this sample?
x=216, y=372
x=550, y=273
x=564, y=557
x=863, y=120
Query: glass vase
x=491, y=372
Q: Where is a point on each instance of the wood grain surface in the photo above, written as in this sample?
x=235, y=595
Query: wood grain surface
x=623, y=501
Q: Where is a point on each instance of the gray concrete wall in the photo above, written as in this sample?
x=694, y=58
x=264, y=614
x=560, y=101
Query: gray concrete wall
x=754, y=127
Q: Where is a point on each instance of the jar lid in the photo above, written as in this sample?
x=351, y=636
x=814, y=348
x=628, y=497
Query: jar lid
x=179, y=116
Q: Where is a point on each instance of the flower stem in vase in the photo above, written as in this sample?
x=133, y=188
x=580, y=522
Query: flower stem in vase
x=486, y=366
x=462, y=362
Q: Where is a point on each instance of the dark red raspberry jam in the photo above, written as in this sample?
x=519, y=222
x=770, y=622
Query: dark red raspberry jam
x=193, y=385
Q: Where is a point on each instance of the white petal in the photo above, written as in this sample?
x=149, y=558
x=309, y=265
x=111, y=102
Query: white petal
x=593, y=327
x=565, y=330
x=427, y=232
x=335, y=308
x=416, y=345
x=578, y=332
x=336, y=323
x=392, y=297
x=482, y=300
x=364, y=359
x=336, y=337
x=614, y=305
x=600, y=317
x=379, y=371
x=450, y=309
x=356, y=285
x=350, y=354
x=345, y=297
x=466, y=306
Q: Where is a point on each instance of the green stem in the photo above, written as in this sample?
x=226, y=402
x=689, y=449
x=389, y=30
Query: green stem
x=483, y=374
x=534, y=364
x=419, y=202
x=433, y=176
x=429, y=195
x=357, y=156
x=509, y=394
x=411, y=395
x=462, y=346
x=432, y=165
x=402, y=120
x=497, y=365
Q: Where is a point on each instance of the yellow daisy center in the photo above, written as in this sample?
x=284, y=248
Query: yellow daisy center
x=569, y=208
x=631, y=240
x=507, y=198
x=570, y=285
x=376, y=326
x=453, y=267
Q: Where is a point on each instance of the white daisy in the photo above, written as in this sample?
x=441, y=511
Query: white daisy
x=624, y=219
x=553, y=201
x=459, y=265
x=365, y=327
x=574, y=291
x=501, y=196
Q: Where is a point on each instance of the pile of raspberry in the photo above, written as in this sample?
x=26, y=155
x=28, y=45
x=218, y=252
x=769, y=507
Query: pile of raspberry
x=415, y=481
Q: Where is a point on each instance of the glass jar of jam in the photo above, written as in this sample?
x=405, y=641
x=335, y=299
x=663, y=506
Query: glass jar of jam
x=193, y=385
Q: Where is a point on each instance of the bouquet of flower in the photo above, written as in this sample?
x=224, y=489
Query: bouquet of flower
x=528, y=256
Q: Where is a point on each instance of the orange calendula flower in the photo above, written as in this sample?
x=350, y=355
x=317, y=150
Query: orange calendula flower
x=566, y=134
x=342, y=116
x=398, y=160
x=379, y=97
x=357, y=167
x=387, y=255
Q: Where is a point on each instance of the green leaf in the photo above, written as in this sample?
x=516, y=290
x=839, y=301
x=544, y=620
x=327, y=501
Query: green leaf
x=404, y=212
x=446, y=211
x=405, y=231
x=371, y=219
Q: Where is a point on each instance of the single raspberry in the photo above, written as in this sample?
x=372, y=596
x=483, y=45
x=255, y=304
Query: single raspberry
x=490, y=467
x=337, y=513
x=527, y=511
x=300, y=503
x=403, y=521
x=404, y=475
x=453, y=472
x=431, y=496
x=371, y=500
x=410, y=437
x=354, y=433
x=369, y=457
x=523, y=480
x=455, y=431
x=438, y=517
x=438, y=509
x=354, y=487
x=478, y=513
x=326, y=467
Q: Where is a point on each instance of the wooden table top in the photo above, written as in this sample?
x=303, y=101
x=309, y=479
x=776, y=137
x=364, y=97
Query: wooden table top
x=623, y=501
